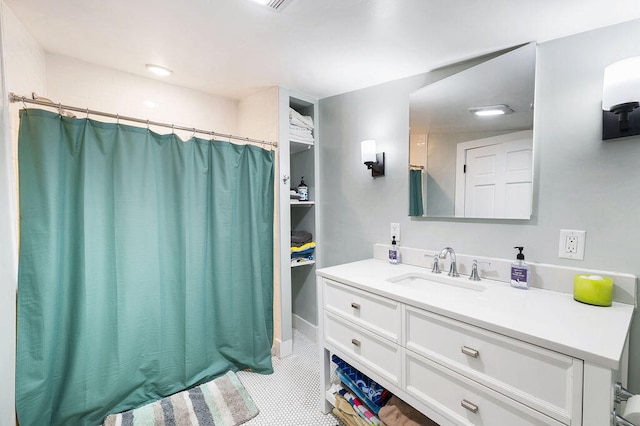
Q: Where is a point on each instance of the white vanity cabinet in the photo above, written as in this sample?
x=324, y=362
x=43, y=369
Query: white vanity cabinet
x=454, y=371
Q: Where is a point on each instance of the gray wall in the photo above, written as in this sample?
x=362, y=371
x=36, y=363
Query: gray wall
x=582, y=182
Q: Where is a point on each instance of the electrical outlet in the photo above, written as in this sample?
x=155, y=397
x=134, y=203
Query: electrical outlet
x=395, y=231
x=571, y=244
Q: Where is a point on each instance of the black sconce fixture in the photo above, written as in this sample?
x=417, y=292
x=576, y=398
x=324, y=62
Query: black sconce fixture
x=374, y=161
x=621, y=99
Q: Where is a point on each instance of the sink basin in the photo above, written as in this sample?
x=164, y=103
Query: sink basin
x=424, y=281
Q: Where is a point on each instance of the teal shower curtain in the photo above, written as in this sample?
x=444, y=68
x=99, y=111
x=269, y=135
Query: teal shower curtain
x=146, y=266
x=415, y=193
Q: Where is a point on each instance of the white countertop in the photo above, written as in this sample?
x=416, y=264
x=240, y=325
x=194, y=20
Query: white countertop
x=545, y=318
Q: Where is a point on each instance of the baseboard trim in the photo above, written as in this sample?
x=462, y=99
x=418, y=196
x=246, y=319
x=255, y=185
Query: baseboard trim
x=305, y=327
x=282, y=349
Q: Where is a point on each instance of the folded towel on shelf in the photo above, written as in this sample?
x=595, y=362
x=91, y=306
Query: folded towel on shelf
x=308, y=253
x=299, y=134
x=299, y=238
x=296, y=121
x=398, y=413
x=300, y=120
x=304, y=247
x=301, y=130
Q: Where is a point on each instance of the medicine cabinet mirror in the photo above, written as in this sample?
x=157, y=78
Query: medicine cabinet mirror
x=465, y=164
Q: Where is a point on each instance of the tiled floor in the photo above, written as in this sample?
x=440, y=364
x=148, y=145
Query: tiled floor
x=289, y=396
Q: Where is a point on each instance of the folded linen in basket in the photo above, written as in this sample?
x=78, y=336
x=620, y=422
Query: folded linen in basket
x=399, y=413
x=360, y=408
x=299, y=119
x=345, y=412
x=371, y=392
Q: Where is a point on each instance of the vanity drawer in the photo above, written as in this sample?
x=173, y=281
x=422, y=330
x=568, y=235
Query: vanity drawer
x=377, y=354
x=376, y=314
x=547, y=381
x=462, y=400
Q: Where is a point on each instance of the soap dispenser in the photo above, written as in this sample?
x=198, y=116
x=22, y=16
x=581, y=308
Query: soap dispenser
x=303, y=190
x=394, y=253
x=520, y=271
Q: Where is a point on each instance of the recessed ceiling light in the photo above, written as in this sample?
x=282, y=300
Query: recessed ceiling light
x=490, y=110
x=273, y=4
x=159, y=70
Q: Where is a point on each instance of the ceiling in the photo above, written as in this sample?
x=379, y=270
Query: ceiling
x=234, y=48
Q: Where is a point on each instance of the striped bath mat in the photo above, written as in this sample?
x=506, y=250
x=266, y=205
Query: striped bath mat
x=220, y=402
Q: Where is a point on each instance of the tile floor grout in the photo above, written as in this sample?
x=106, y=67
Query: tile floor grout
x=290, y=396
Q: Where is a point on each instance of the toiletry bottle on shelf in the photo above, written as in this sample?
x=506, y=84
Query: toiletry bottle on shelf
x=520, y=271
x=394, y=252
x=303, y=190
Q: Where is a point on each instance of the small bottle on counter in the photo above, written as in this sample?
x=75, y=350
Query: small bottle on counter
x=520, y=271
x=394, y=252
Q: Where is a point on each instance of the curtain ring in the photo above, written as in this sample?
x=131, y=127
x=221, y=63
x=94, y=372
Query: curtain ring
x=60, y=108
x=147, y=124
x=24, y=104
x=87, y=113
x=173, y=129
x=117, y=119
x=193, y=135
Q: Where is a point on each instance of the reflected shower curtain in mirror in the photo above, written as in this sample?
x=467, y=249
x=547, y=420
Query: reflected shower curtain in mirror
x=415, y=193
x=146, y=266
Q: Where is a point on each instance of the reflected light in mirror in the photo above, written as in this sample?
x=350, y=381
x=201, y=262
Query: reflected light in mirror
x=489, y=111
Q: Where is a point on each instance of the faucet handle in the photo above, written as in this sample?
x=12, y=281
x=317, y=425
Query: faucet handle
x=475, y=276
x=436, y=265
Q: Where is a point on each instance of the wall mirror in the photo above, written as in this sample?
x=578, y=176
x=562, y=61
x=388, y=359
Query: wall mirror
x=471, y=141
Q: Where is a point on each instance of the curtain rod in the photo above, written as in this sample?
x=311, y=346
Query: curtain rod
x=15, y=98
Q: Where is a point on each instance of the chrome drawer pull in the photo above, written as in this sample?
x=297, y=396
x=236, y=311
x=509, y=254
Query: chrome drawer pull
x=355, y=342
x=355, y=305
x=470, y=352
x=469, y=406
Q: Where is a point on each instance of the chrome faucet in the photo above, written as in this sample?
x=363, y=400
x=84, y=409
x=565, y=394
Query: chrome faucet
x=475, y=276
x=436, y=265
x=453, y=271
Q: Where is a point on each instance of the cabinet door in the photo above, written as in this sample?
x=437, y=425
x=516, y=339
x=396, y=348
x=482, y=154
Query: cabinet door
x=462, y=400
x=548, y=381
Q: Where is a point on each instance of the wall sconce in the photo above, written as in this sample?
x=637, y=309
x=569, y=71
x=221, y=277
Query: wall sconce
x=621, y=99
x=374, y=161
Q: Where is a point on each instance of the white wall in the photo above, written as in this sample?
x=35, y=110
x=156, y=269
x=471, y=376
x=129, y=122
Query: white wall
x=23, y=68
x=77, y=83
x=583, y=182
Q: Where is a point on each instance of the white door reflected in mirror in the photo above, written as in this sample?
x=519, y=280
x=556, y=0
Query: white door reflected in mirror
x=495, y=177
